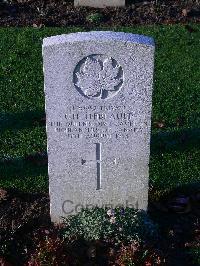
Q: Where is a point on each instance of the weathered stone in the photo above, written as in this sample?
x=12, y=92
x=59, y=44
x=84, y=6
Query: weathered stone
x=3, y=194
x=98, y=88
x=99, y=3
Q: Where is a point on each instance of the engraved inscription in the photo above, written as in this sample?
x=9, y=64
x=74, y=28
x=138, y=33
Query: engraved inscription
x=98, y=76
x=100, y=123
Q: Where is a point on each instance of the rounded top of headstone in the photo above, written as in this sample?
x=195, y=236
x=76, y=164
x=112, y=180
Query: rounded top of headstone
x=99, y=36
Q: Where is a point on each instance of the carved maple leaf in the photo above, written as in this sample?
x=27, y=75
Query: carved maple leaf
x=97, y=77
x=88, y=78
x=108, y=76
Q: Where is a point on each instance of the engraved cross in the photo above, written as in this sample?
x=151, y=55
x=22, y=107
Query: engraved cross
x=98, y=162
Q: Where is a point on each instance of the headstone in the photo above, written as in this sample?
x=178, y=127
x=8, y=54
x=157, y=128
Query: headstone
x=98, y=90
x=99, y=3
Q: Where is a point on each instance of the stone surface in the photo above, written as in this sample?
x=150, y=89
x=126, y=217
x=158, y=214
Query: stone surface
x=99, y=3
x=3, y=194
x=98, y=90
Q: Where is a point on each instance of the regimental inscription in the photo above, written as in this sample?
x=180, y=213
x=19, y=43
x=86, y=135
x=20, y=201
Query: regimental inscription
x=99, y=123
x=98, y=76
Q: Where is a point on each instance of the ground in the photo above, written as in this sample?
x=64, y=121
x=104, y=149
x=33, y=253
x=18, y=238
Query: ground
x=62, y=13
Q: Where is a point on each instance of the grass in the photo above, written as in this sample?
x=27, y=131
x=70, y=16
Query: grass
x=175, y=153
x=195, y=252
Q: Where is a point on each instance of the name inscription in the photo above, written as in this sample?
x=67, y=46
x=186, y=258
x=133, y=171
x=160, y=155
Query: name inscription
x=97, y=122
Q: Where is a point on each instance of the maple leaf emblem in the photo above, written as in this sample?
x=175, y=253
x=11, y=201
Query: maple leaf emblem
x=99, y=78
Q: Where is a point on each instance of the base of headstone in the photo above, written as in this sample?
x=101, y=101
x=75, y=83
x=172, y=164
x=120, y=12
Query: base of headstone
x=100, y=3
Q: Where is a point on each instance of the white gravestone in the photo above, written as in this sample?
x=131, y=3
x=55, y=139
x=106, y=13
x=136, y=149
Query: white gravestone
x=99, y=3
x=98, y=90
